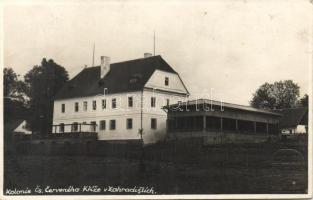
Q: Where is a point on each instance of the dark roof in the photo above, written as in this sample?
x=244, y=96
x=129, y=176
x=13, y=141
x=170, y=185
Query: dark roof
x=226, y=105
x=12, y=125
x=292, y=117
x=125, y=76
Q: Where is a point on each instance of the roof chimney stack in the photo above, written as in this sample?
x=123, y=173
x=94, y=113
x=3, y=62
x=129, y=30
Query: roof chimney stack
x=147, y=55
x=105, y=65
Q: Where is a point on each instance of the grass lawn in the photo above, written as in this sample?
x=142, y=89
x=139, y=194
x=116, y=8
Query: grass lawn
x=169, y=169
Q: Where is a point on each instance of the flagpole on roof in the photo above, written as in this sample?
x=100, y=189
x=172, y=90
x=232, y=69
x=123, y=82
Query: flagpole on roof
x=154, y=43
x=93, y=55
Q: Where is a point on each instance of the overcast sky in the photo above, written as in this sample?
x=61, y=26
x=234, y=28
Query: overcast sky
x=230, y=46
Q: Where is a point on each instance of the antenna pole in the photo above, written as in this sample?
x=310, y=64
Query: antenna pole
x=93, y=56
x=154, y=43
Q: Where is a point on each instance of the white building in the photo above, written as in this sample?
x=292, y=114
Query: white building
x=120, y=98
x=22, y=128
x=294, y=121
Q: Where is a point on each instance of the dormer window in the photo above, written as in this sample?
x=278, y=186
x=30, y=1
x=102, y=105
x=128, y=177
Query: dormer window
x=133, y=80
x=166, y=82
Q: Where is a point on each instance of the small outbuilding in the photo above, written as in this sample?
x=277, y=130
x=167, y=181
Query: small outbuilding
x=294, y=121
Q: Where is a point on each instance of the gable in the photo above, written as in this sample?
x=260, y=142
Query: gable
x=125, y=76
x=175, y=84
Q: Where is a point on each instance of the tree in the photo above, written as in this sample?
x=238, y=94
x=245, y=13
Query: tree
x=280, y=94
x=14, y=96
x=42, y=83
x=304, y=101
x=13, y=88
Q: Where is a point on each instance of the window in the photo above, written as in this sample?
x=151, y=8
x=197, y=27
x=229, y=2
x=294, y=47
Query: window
x=130, y=102
x=167, y=102
x=153, y=101
x=153, y=123
x=114, y=103
x=166, y=81
x=75, y=127
x=76, y=107
x=61, y=128
x=129, y=123
x=104, y=104
x=102, y=125
x=93, y=126
x=112, y=124
x=63, y=108
x=85, y=105
x=94, y=105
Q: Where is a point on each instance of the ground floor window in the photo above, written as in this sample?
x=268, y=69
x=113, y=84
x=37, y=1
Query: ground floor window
x=93, y=126
x=129, y=123
x=112, y=124
x=153, y=123
x=74, y=127
x=62, y=127
x=102, y=125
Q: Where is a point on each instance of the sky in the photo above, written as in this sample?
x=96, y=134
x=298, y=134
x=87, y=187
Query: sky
x=229, y=47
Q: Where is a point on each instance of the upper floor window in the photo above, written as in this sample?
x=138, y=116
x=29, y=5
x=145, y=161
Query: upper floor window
x=129, y=123
x=112, y=124
x=85, y=105
x=130, y=102
x=102, y=125
x=94, y=105
x=153, y=123
x=153, y=101
x=114, y=103
x=63, y=108
x=104, y=104
x=76, y=107
x=166, y=82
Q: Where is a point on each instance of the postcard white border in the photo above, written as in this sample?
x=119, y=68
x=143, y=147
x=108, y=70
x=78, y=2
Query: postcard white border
x=208, y=196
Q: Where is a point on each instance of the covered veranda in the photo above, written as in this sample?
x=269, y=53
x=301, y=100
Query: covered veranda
x=214, y=120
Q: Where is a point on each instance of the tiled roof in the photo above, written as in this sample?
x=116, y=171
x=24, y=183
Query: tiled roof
x=125, y=76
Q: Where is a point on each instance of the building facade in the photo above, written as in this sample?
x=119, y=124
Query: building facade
x=119, y=101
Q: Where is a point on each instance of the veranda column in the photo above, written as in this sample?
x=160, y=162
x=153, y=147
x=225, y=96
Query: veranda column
x=204, y=123
x=237, y=125
x=254, y=124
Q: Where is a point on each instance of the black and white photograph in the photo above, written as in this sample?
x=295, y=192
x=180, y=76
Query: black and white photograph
x=134, y=99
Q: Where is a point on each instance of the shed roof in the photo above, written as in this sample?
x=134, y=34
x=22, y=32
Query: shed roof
x=227, y=105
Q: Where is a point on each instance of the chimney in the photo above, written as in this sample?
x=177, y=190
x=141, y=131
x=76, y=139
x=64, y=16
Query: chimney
x=105, y=65
x=147, y=55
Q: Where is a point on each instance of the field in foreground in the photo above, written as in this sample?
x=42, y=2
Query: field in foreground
x=167, y=168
